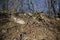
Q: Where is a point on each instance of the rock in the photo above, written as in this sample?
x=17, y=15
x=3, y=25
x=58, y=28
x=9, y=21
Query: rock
x=57, y=19
x=42, y=16
x=34, y=17
x=25, y=14
x=15, y=39
x=19, y=21
x=30, y=13
x=4, y=31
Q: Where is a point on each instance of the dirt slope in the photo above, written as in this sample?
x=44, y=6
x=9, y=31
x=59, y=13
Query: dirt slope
x=34, y=27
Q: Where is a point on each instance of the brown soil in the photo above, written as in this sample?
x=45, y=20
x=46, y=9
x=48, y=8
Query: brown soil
x=33, y=29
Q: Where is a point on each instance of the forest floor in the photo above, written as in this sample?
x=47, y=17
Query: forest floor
x=29, y=27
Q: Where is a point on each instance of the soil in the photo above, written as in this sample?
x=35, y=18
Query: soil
x=36, y=27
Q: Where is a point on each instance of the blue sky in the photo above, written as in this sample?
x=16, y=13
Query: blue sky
x=41, y=5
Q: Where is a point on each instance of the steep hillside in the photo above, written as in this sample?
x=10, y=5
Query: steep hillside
x=30, y=27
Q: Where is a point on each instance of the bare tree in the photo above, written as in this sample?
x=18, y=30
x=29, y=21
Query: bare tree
x=59, y=8
x=13, y=6
x=30, y=5
x=36, y=6
x=59, y=4
x=31, y=2
x=21, y=5
x=51, y=7
x=4, y=5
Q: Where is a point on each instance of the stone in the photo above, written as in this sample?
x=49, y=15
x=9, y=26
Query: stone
x=4, y=31
x=19, y=21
